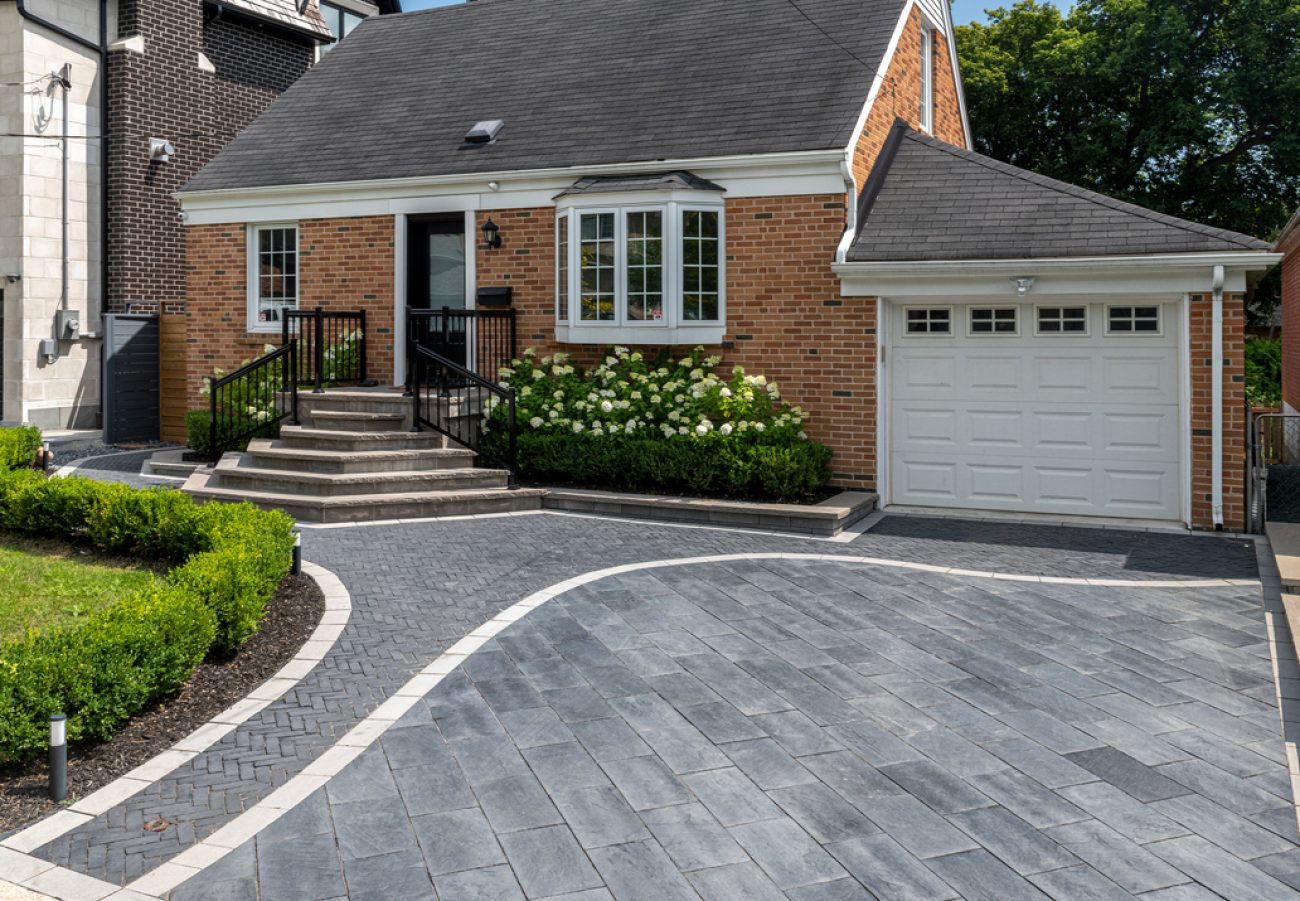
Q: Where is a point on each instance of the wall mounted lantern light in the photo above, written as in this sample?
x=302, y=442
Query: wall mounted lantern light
x=491, y=235
x=1024, y=284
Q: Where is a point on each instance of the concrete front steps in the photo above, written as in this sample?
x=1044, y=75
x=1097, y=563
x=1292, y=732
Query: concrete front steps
x=354, y=459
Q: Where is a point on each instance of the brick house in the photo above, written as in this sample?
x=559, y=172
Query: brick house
x=964, y=334
x=189, y=73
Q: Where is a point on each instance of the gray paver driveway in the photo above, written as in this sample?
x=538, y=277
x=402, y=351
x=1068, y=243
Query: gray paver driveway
x=814, y=730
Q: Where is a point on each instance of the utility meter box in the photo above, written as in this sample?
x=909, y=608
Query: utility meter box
x=68, y=325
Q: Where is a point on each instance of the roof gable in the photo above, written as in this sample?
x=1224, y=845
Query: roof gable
x=928, y=200
x=577, y=83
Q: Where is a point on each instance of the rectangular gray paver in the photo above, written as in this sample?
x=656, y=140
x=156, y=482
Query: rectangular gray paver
x=825, y=815
x=400, y=876
x=1083, y=883
x=564, y=766
x=1122, y=812
x=1233, y=833
x=933, y=784
x=599, y=816
x=731, y=796
x=548, y=861
x=692, y=837
x=1233, y=793
x=786, y=853
x=979, y=876
x=1019, y=845
x=722, y=723
x=1047, y=767
x=1132, y=867
x=1218, y=870
x=646, y=783
x=641, y=871
x=497, y=883
x=917, y=828
x=767, y=763
x=610, y=739
x=1028, y=799
x=459, y=840
x=1128, y=774
x=515, y=803
x=737, y=882
x=369, y=829
x=534, y=727
x=889, y=871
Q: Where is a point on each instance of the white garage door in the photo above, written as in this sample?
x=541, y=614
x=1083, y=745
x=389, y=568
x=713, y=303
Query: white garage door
x=1036, y=408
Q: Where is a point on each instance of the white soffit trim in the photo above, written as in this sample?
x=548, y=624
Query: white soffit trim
x=1171, y=274
x=765, y=175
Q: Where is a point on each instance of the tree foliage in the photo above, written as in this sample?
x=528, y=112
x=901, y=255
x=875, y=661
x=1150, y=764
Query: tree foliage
x=1189, y=107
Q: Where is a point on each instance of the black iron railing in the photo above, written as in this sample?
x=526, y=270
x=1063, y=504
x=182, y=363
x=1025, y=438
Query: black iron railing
x=482, y=340
x=253, y=400
x=332, y=345
x=450, y=399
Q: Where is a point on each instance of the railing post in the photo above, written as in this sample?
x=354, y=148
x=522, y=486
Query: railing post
x=320, y=352
x=293, y=378
x=410, y=350
x=364, y=336
x=415, y=369
x=514, y=448
x=212, y=420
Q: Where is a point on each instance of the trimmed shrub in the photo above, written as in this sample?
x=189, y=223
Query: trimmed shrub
x=101, y=672
x=19, y=447
x=666, y=426
x=198, y=433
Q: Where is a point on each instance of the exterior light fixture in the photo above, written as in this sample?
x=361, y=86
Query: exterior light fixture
x=58, y=774
x=491, y=235
x=1024, y=284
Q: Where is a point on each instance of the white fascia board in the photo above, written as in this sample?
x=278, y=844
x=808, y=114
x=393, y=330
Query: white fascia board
x=1157, y=274
x=639, y=198
x=956, y=74
x=760, y=175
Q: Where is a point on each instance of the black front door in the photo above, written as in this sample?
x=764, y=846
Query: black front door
x=435, y=280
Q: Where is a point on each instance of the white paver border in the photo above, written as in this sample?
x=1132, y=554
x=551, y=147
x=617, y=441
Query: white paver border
x=33, y=873
x=157, y=883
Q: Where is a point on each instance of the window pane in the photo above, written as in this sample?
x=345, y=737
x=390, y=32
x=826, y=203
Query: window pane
x=277, y=274
x=597, y=254
x=562, y=269
x=644, y=266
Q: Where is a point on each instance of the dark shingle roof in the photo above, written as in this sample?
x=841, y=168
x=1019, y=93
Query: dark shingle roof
x=927, y=200
x=577, y=82
x=664, y=181
x=1289, y=238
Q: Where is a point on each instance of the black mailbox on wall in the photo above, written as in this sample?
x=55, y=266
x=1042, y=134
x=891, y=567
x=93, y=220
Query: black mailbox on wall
x=495, y=297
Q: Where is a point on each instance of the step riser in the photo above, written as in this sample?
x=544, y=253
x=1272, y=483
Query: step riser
x=342, y=442
x=310, y=403
x=307, y=511
x=360, y=467
x=472, y=480
x=357, y=425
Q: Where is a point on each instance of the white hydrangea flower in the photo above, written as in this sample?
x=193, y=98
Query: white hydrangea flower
x=725, y=392
x=636, y=395
x=558, y=395
x=538, y=375
x=578, y=427
x=607, y=406
x=683, y=430
x=803, y=436
x=674, y=415
x=759, y=427
x=687, y=362
x=554, y=414
x=655, y=398
x=536, y=422
x=597, y=432
x=725, y=429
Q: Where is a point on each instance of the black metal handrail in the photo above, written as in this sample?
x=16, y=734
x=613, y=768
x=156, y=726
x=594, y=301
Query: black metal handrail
x=253, y=400
x=481, y=340
x=450, y=399
x=332, y=345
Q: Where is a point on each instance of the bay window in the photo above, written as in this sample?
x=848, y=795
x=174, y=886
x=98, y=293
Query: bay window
x=651, y=273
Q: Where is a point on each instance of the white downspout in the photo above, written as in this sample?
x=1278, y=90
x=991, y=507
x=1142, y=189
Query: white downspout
x=851, y=219
x=1216, y=401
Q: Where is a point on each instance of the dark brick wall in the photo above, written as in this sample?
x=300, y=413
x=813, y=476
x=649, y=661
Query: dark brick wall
x=164, y=94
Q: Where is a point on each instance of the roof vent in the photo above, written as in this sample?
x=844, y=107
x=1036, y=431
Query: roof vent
x=484, y=132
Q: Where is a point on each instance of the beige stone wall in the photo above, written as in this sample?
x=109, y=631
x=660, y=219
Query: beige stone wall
x=66, y=392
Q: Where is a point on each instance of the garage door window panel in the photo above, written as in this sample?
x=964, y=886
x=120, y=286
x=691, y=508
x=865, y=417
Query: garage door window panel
x=1062, y=320
x=994, y=321
x=922, y=321
x=1133, y=320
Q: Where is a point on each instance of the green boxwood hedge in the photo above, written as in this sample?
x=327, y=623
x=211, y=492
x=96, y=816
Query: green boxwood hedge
x=19, y=447
x=229, y=560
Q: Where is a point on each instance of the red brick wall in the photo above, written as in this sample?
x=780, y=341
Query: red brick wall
x=1291, y=326
x=343, y=264
x=1234, y=416
x=785, y=318
x=900, y=98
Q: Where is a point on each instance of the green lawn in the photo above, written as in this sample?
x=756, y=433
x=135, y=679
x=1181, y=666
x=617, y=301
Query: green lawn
x=49, y=583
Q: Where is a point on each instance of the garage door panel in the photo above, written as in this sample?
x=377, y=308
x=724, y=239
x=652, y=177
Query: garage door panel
x=1070, y=425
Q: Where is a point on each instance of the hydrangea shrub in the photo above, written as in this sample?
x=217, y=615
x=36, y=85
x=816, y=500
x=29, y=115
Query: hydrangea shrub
x=666, y=424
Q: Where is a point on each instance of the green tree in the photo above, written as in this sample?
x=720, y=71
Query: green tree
x=1189, y=107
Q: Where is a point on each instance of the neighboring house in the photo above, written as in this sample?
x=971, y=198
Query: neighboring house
x=790, y=184
x=185, y=73
x=1288, y=244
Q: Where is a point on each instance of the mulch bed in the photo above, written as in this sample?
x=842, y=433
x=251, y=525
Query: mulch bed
x=291, y=617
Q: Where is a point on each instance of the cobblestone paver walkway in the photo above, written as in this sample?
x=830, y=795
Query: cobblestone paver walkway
x=761, y=728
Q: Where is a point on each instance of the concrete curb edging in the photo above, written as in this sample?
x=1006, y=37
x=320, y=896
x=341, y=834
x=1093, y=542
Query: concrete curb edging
x=16, y=862
x=157, y=883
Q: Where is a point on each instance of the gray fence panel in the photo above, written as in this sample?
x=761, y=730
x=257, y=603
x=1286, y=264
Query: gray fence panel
x=131, y=375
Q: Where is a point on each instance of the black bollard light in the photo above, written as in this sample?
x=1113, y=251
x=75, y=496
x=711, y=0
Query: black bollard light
x=296, y=569
x=47, y=456
x=58, y=757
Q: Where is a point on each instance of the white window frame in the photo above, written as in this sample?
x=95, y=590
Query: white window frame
x=1038, y=321
x=673, y=328
x=563, y=295
x=970, y=322
x=358, y=8
x=929, y=308
x=254, y=274
x=1157, y=332
x=926, y=113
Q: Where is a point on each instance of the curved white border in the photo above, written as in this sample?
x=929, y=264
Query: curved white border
x=40, y=875
x=189, y=863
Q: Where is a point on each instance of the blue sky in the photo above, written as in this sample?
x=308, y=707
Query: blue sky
x=964, y=11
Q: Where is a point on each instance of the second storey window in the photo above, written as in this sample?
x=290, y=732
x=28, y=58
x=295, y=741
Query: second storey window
x=640, y=273
x=272, y=275
x=340, y=21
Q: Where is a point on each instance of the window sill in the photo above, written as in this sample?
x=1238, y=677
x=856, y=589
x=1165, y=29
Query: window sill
x=690, y=335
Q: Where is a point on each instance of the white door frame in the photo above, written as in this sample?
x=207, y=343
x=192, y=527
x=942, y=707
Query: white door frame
x=400, y=238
